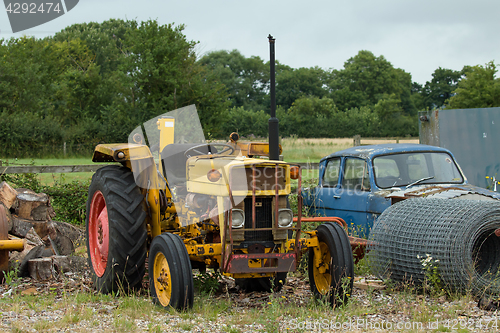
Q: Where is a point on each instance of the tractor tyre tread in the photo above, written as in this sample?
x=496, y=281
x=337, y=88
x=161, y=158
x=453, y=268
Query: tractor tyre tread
x=342, y=265
x=127, y=229
x=182, y=289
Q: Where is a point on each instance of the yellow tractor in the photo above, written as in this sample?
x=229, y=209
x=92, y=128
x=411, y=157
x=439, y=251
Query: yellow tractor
x=186, y=204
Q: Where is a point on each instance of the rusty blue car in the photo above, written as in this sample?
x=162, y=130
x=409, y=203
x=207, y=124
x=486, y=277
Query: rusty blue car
x=359, y=183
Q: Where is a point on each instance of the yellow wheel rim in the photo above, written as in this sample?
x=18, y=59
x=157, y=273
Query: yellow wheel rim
x=162, y=278
x=322, y=276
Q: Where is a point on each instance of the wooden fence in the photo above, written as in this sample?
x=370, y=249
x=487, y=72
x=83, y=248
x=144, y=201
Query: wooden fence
x=48, y=168
x=79, y=168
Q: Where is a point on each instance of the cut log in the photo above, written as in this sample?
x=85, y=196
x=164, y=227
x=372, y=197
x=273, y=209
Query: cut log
x=16, y=258
x=41, y=228
x=40, y=213
x=41, y=269
x=35, y=252
x=62, y=264
x=59, y=235
x=33, y=238
x=20, y=227
x=23, y=258
x=9, y=219
x=28, y=203
x=77, y=235
x=4, y=235
x=64, y=245
x=7, y=195
x=21, y=190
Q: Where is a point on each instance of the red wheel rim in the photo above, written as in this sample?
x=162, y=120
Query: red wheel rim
x=98, y=233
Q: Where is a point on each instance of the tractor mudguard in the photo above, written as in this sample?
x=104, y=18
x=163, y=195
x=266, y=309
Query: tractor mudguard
x=120, y=152
x=140, y=161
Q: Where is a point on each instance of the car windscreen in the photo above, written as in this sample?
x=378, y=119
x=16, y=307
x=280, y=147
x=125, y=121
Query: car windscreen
x=415, y=168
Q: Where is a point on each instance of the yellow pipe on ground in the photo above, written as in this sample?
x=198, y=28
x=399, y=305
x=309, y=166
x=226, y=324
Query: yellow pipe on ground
x=12, y=245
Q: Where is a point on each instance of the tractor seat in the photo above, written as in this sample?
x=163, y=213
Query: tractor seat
x=174, y=162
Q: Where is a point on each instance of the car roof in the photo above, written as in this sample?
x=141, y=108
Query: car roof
x=370, y=151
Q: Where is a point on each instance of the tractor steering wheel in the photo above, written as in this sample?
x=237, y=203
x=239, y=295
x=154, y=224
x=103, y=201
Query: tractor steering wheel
x=196, y=149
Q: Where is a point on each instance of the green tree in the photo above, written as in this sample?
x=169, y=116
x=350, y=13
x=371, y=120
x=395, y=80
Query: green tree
x=244, y=122
x=479, y=88
x=366, y=78
x=105, y=40
x=312, y=117
x=163, y=74
x=292, y=84
x=417, y=96
x=392, y=118
x=25, y=78
x=439, y=89
x=246, y=79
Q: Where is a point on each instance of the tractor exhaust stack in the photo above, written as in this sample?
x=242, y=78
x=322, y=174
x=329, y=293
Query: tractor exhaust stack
x=274, y=151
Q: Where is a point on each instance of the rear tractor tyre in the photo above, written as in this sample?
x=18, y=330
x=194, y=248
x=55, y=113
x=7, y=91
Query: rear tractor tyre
x=115, y=230
x=170, y=273
x=333, y=279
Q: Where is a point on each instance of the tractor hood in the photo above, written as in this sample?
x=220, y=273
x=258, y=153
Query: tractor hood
x=217, y=175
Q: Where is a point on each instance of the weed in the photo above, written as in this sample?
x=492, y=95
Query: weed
x=123, y=324
x=432, y=280
x=207, y=282
x=42, y=325
x=154, y=328
x=212, y=309
x=185, y=326
x=362, y=267
x=11, y=276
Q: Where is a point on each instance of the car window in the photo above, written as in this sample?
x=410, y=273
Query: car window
x=445, y=168
x=417, y=166
x=405, y=168
x=332, y=170
x=356, y=175
x=386, y=167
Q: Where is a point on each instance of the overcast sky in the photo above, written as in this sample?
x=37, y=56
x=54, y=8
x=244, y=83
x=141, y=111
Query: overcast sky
x=417, y=36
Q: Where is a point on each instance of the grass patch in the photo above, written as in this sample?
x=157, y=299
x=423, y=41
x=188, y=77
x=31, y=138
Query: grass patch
x=312, y=150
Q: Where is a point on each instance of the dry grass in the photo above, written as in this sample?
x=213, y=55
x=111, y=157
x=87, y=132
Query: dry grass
x=291, y=310
x=312, y=150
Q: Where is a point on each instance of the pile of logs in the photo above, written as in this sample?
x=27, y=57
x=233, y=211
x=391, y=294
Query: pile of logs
x=27, y=217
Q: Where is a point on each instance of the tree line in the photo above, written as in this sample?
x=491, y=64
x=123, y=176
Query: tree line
x=95, y=82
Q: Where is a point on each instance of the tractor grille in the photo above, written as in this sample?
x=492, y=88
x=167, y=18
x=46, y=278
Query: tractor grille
x=263, y=219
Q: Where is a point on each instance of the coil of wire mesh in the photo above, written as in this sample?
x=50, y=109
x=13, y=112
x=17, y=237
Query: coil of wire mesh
x=461, y=238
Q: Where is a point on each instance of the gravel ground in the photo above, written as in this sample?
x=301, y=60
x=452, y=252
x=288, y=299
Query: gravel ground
x=69, y=304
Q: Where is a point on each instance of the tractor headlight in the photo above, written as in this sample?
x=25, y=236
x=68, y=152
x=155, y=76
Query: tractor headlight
x=238, y=218
x=285, y=217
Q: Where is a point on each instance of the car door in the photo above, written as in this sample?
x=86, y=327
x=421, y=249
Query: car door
x=343, y=192
x=323, y=195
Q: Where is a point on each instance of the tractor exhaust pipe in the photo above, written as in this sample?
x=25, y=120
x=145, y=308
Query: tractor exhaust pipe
x=274, y=150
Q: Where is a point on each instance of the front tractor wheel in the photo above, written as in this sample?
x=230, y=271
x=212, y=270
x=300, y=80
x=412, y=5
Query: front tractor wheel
x=170, y=272
x=115, y=230
x=331, y=276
